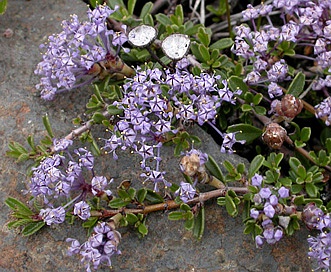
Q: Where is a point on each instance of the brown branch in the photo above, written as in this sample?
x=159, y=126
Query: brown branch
x=78, y=131
x=169, y=204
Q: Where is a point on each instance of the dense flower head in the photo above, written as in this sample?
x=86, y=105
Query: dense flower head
x=70, y=175
x=271, y=234
x=99, y=248
x=150, y=113
x=323, y=110
x=71, y=58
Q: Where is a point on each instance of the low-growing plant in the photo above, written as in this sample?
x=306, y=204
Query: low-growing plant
x=257, y=81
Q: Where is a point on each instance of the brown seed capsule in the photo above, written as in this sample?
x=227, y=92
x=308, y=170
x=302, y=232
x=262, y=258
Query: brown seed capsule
x=289, y=107
x=190, y=164
x=274, y=135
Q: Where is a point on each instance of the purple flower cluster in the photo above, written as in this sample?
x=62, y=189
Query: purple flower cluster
x=266, y=207
x=319, y=246
x=323, y=110
x=70, y=56
x=309, y=25
x=99, y=248
x=150, y=112
x=57, y=176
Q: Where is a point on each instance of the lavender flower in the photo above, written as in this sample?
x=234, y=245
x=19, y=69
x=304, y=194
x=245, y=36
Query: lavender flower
x=61, y=144
x=283, y=192
x=257, y=180
x=53, y=216
x=186, y=191
x=82, y=209
x=99, y=248
x=274, y=90
x=98, y=184
x=229, y=139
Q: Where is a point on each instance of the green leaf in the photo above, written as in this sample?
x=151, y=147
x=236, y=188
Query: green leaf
x=214, y=168
x=142, y=229
x=311, y=189
x=305, y=134
x=3, y=6
x=294, y=164
x=221, y=201
x=90, y=223
x=199, y=224
x=146, y=10
x=236, y=83
x=178, y=17
x=203, y=37
x=131, y=218
x=47, y=126
x=204, y=52
x=189, y=224
x=246, y=107
x=131, y=5
x=18, y=206
x=141, y=195
x=114, y=110
x=245, y=132
x=222, y=44
x=98, y=117
x=230, y=206
x=118, y=203
x=297, y=85
x=153, y=197
x=20, y=222
x=148, y=20
x=176, y=215
x=163, y=19
x=31, y=142
x=32, y=228
x=255, y=165
x=196, y=52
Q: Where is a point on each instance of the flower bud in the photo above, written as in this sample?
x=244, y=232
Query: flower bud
x=289, y=107
x=274, y=135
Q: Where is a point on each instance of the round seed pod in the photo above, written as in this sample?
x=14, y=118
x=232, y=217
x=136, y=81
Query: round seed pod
x=142, y=36
x=274, y=135
x=289, y=107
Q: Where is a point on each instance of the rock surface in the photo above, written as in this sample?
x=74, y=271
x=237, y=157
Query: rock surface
x=167, y=247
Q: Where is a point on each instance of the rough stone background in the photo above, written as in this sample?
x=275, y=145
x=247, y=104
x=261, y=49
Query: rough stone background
x=168, y=247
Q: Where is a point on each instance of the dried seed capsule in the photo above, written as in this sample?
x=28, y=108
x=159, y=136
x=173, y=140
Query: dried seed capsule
x=190, y=164
x=274, y=135
x=176, y=46
x=142, y=36
x=289, y=107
